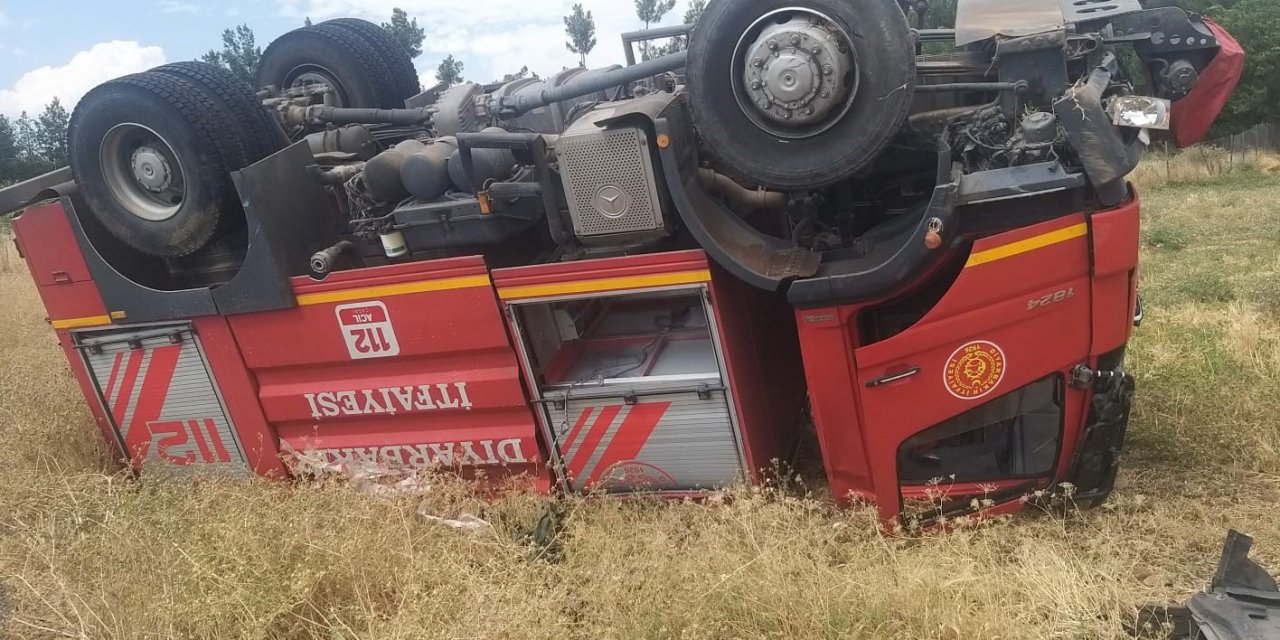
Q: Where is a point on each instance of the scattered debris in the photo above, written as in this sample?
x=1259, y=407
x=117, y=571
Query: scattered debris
x=375, y=479
x=465, y=522
x=544, y=537
x=1242, y=603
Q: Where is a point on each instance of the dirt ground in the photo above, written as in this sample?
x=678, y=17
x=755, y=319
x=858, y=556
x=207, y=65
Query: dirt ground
x=88, y=553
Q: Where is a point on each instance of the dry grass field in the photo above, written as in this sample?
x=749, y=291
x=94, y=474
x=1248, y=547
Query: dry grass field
x=87, y=553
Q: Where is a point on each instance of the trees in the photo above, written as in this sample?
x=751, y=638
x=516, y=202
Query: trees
x=10, y=163
x=406, y=31
x=651, y=12
x=32, y=146
x=240, y=53
x=581, y=27
x=51, y=134
x=449, y=71
x=694, y=13
x=1256, y=24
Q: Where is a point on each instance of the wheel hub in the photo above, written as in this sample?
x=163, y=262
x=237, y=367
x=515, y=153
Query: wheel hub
x=142, y=172
x=150, y=169
x=799, y=73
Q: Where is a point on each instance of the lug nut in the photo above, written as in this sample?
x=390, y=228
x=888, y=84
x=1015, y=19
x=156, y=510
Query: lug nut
x=795, y=40
x=757, y=62
x=755, y=84
x=773, y=45
x=826, y=93
x=827, y=69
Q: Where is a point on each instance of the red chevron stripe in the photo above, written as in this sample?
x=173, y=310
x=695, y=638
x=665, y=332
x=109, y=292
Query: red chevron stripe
x=631, y=436
x=594, y=435
x=218, y=447
x=155, y=388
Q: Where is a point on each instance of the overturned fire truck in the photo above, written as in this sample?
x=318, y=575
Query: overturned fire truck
x=636, y=279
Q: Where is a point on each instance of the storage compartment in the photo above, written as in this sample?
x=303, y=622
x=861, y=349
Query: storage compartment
x=156, y=388
x=632, y=390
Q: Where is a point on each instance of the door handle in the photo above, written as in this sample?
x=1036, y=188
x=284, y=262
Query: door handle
x=893, y=377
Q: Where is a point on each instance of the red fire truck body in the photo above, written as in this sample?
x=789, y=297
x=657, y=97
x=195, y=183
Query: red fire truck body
x=553, y=285
x=368, y=370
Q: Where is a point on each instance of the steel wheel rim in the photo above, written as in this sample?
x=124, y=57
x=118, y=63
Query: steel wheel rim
x=142, y=172
x=843, y=82
x=309, y=74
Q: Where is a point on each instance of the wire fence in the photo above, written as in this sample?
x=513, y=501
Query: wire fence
x=1250, y=145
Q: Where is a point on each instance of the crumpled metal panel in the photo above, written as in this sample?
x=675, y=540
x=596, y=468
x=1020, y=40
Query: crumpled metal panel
x=978, y=20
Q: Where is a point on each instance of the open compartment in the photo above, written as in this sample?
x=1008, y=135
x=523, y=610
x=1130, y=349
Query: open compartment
x=632, y=389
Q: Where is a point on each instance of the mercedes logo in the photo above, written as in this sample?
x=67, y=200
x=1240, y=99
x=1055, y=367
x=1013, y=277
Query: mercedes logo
x=612, y=202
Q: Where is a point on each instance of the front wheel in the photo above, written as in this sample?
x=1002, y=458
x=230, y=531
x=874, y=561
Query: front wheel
x=800, y=93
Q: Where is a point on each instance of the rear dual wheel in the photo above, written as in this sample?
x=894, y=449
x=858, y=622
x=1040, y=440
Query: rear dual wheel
x=153, y=155
x=359, y=60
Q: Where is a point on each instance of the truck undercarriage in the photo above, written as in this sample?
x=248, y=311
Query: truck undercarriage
x=636, y=278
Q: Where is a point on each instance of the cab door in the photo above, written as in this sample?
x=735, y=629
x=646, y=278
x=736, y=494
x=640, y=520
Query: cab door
x=971, y=402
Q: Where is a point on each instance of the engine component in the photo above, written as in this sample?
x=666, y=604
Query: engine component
x=153, y=153
x=1039, y=127
x=749, y=199
x=609, y=179
x=382, y=173
x=486, y=165
x=393, y=243
x=800, y=93
x=340, y=174
x=353, y=139
x=361, y=75
x=455, y=111
x=425, y=173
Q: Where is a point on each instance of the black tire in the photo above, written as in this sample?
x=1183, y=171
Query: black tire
x=260, y=130
x=358, y=71
x=886, y=56
x=203, y=142
x=404, y=76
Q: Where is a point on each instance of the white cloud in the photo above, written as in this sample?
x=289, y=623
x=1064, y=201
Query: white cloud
x=174, y=6
x=4, y=19
x=493, y=37
x=86, y=70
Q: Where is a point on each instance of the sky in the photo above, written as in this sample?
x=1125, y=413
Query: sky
x=61, y=48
